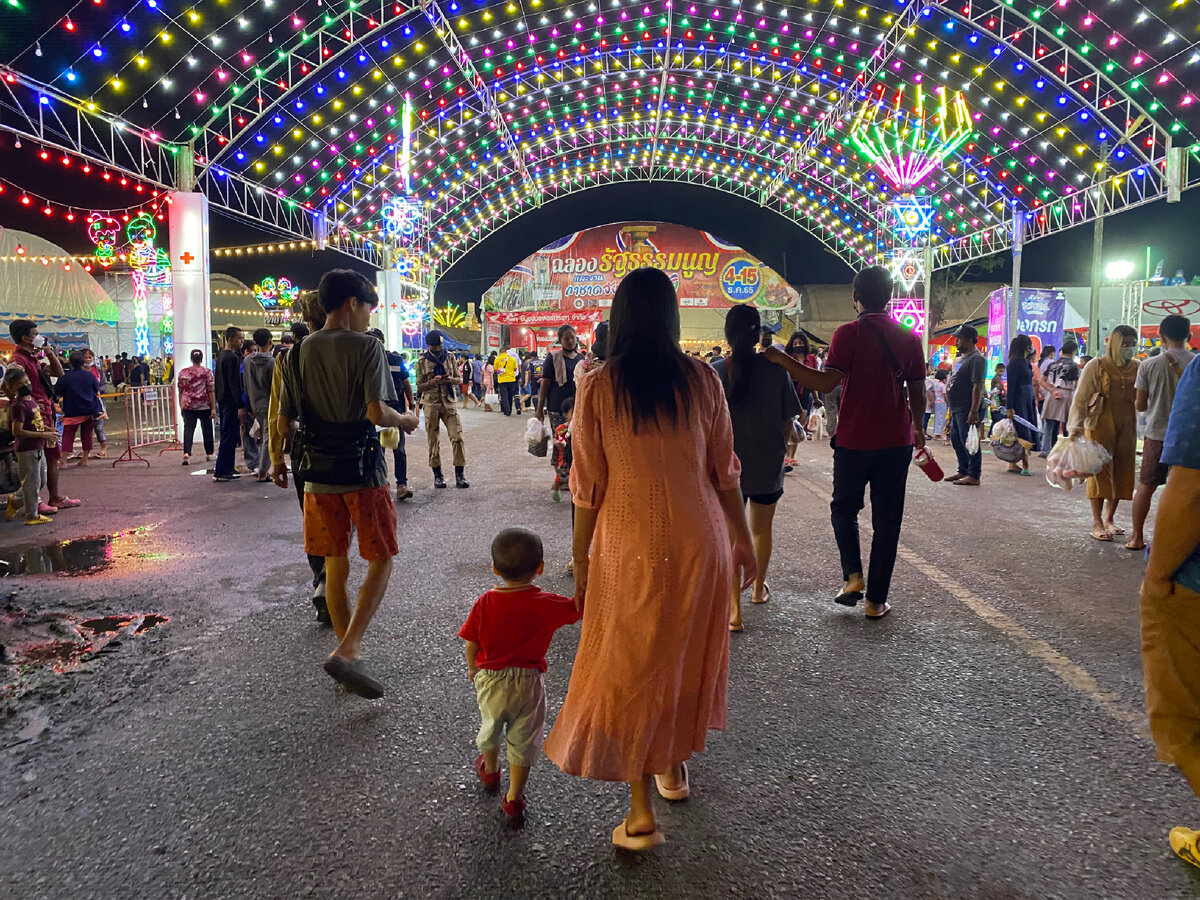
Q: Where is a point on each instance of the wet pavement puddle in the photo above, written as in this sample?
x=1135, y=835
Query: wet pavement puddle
x=37, y=648
x=80, y=556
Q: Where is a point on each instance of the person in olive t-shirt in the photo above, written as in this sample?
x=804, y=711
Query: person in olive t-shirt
x=344, y=380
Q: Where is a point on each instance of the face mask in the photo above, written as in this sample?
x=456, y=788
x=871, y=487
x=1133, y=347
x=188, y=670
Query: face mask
x=1127, y=354
x=24, y=390
x=39, y=342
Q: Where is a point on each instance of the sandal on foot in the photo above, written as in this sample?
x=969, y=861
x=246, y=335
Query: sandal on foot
x=736, y=626
x=848, y=598
x=352, y=674
x=636, y=842
x=887, y=608
x=1114, y=530
x=1184, y=843
x=679, y=793
x=766, y=595
x=1102, y=536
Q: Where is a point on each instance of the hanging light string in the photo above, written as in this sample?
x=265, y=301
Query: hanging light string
x=224, y=62
x=48, y=207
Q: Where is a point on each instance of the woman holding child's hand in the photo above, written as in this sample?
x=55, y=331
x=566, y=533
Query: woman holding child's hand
x=658, y=509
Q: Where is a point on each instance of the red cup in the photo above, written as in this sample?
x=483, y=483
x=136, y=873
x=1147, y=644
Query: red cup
x=929, y=465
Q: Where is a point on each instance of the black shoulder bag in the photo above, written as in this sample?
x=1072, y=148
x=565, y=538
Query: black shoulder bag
x=338, y=453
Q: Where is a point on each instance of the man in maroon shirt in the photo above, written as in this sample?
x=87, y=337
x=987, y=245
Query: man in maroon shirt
x=874, y=359
x=31, y=356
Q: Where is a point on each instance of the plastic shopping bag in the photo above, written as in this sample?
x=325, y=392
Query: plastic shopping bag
x=1075, y=458
x=1004, y=432
x=537, y=437
x=972, y=440
x=1005, y=444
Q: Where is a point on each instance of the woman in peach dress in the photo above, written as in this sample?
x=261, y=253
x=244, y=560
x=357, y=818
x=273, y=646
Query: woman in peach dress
x=654, y=480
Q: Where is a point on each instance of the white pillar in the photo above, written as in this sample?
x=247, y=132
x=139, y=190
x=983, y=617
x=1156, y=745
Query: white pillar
x=388, y=284
x=188, y=221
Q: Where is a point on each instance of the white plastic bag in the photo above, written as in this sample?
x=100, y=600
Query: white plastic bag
x=256, y=430
x=1075, y=459
x=1004, y=432
x=537, y=437
x=972, y=440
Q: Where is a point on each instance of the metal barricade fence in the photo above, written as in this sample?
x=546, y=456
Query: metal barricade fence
x=149, y=419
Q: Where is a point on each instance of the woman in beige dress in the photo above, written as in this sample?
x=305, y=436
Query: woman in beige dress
x=1103, y=410
x=655, y=484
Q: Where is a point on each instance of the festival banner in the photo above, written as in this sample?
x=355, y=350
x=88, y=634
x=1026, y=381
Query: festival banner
x=584, y=319
x=582, y=270
x=1040, y=315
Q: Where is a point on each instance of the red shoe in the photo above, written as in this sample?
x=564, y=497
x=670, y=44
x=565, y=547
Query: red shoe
x=514, y=810
x=489, y=780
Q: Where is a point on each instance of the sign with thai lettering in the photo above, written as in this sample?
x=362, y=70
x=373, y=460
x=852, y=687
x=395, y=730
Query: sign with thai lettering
x=582, y=270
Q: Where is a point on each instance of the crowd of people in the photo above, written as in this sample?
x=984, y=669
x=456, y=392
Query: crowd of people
x=653, y=545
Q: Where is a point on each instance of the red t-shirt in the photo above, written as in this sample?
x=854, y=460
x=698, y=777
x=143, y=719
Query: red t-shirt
x=873, y=413
x=514, y=628
x=33, y=370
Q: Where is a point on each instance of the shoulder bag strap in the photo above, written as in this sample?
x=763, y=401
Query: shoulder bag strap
x=887, y=349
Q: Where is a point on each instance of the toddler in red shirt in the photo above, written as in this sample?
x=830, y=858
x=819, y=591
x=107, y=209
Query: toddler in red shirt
x=508, y=633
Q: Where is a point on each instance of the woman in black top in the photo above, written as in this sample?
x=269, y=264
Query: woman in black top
x=762, y=404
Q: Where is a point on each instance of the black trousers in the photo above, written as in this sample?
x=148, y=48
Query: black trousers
x=886, y=471
x=190, y=418
x=507, y=391
x=315, y=563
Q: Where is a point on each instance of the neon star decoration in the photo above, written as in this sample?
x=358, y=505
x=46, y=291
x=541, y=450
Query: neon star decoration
x=908, y=267
x=912, y=217
x=909, y=312
x=907, y=145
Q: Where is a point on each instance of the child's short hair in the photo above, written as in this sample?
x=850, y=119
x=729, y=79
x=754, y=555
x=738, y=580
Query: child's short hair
x=567, y=405
x=516, y=553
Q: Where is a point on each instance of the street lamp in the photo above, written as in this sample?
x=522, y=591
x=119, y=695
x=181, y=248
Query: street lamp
x=1118, y=270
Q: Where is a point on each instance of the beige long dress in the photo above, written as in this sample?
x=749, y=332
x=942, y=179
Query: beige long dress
x=1115, y=428
x=650, y=674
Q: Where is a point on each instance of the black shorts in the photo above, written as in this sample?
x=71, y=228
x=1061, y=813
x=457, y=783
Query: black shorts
x=764, y=499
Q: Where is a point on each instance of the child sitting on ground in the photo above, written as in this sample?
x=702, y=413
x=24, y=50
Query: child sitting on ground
x=508, y=632
x=561, y=460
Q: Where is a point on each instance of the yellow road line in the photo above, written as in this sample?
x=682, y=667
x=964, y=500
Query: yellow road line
x=1068, y=671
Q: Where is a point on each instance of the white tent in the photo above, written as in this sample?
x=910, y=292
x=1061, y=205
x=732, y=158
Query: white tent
x=37, y=283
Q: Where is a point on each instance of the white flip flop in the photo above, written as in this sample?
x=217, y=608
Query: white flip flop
x=681, y=793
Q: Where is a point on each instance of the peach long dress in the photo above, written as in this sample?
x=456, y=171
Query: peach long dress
x=650, y=674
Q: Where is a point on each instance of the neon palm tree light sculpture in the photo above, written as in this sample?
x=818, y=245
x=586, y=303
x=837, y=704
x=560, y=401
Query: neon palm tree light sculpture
x=906, y=145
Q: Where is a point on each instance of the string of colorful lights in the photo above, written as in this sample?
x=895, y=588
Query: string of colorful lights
x=516, y=103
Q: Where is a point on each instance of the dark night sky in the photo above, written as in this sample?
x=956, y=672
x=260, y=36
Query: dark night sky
x=1173, y=230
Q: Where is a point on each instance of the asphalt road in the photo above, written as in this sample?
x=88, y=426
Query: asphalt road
x=987, y=740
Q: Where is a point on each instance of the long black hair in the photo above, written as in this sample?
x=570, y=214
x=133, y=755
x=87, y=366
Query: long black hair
x=799, y=335
x=652, y=379
x=1019, y=348
x=742, y=324
x=600, y=342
